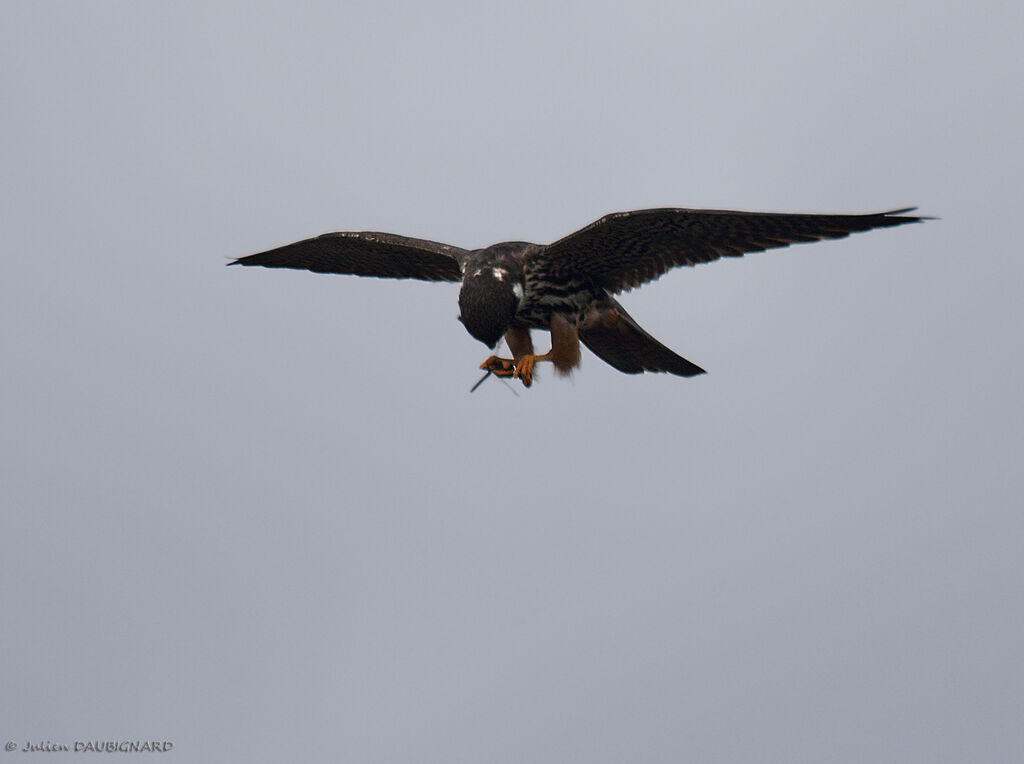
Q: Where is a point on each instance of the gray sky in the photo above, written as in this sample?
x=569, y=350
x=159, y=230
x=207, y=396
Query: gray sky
x=257, y=513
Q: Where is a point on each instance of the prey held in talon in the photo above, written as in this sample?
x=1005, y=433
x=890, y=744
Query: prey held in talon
x=509, y=367
x=567, y=288
x=501, y=367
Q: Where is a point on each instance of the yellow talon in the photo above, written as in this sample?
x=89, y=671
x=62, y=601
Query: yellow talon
x=524, y=369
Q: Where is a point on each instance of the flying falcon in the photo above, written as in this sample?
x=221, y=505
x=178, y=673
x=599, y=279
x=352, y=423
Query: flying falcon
x=567, y=287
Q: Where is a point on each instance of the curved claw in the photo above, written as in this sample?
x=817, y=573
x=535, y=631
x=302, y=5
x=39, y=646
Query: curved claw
x=524, y=369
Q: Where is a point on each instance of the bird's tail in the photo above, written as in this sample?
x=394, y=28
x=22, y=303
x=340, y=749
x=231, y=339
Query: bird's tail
x=614, y=337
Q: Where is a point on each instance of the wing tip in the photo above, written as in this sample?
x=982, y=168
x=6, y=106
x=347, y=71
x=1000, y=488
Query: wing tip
x=904, y=218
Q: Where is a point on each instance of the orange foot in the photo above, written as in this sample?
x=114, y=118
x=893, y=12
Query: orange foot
x=524, y=367
x=500, y=367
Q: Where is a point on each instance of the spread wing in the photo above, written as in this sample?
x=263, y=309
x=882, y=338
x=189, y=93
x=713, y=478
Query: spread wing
x=625, y=249
x=366, y=253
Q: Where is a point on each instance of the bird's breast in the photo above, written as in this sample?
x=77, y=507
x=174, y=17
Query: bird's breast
x=544, y=296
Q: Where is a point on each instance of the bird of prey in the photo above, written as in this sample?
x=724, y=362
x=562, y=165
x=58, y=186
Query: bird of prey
x=568, y=287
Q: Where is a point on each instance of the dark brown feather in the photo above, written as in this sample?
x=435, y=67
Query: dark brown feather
x=625, y=249
x=366, y=253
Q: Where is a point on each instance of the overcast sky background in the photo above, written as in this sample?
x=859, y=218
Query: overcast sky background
x=257, y=513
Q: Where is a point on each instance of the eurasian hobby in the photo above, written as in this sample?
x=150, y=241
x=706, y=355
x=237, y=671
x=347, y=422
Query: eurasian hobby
x=567, y=287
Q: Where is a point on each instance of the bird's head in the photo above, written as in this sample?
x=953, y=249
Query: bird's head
x=488, y=302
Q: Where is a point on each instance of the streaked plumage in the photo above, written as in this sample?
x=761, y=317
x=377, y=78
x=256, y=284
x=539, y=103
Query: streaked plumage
x=567, y=287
